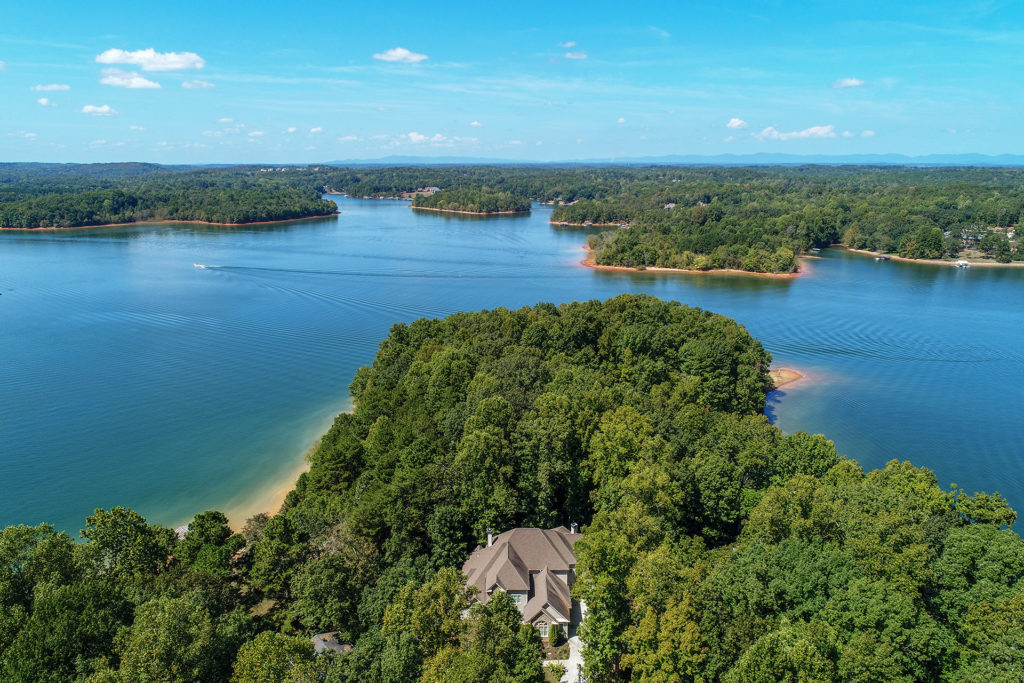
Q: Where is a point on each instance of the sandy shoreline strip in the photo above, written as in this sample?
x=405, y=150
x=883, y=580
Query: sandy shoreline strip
x=589, y=263
x=935, y=261
x=783, y=376
x=160, y=222
x=469, y=213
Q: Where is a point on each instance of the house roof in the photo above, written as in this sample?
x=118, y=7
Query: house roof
x=329, y=641
x=516, y=554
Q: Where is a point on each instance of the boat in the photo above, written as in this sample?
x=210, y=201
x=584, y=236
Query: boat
x=883, y=257
x=961, y=264
x=815, y=250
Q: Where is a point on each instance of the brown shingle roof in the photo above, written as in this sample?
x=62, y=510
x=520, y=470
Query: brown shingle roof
x=514, y=555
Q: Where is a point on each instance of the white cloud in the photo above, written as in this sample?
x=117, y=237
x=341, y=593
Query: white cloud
x=847, y=134
x=736, y=124
x=575, y=55
x=579, y=141
x=225, y=119
x=126, y=79
x=151, y=60
x=348, y=138
x=399, y=54
x=416, y=138
x=45, y=101
x=662, y=33
x=770, y=133
x=476, y=124
x=291, y=129
x=568, y=44
x=316, y=129
x=867, y=133
x=515, y=142
x=196, y=83
x=22, y=134
x=2, y=65
x=621, y=120
x=98, y=110
x=540, y=143
x=848, y=83
x=97, y=143
x=50, y=87
x=256, y=133
x=136, y=128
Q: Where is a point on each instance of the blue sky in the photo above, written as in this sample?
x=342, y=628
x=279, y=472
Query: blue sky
x=224, y=82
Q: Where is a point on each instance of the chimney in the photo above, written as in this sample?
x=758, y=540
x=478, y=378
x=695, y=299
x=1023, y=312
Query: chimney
x=490, y=536
x=574, y=528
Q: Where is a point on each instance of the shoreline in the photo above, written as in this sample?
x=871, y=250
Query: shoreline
x=588, y=262
x=933, y=261
x=783, y=376
x=270, y=498
x=470, y=213
x=565, y=224
x=175, y=220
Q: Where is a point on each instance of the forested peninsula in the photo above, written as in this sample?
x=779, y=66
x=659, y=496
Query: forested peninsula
x=713, y=547
x=146, y=193
x=467, y=200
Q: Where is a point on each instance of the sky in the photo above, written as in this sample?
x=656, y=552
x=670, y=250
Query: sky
x=260, y=82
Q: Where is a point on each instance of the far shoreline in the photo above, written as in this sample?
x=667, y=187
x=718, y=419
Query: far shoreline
x=590, y=263
x=470, y=213
x=933, y=261
x=169, y=220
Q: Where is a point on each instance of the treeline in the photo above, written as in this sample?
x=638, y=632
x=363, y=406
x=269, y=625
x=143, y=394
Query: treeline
x=472, y=201
x=758, y=220
x=714, y=547
x=140, y=193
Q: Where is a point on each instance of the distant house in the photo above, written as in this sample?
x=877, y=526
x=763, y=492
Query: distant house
x=670, y=206
x=330, y=642
x=537, y=568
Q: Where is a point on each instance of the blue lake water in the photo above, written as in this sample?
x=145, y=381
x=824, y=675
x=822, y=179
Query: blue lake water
x=129, y=376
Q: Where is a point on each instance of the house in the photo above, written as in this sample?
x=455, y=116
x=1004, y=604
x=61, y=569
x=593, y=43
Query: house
x=330, y=642
x=537, y=568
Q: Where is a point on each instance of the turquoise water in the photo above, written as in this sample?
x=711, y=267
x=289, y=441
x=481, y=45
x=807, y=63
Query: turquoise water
x=129, y=376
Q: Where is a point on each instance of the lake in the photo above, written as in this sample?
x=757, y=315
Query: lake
x=130, y=376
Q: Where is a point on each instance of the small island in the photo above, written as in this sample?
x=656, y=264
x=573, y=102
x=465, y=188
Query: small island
x=473, y=201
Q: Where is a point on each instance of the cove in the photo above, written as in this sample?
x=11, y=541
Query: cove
x=129, y=376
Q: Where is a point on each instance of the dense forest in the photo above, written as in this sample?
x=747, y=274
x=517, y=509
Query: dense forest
x=472, y=201
x=97, y=195
x=754, y=218
x=714, y=547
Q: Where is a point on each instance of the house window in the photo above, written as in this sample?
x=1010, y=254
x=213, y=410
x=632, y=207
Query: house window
x=542, y=627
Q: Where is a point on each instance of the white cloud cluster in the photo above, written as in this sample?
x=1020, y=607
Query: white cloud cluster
x=568, y=44
x=98, y=110
x=436, y=140
x=49, y=87
x=22, y=134
x=225, y=119
x=45, y=101
x=291, y=129
x=399, y=54
x=151, y=60
x=348, y=138
x=575, y=55
x=771, y=133
x=136, y=128
x=476, y=124
x=867, y=133
x=126, y=79
x=621, y=120
x=196, y=83
x=737, y=124
x=843, y=83
x=316, y=129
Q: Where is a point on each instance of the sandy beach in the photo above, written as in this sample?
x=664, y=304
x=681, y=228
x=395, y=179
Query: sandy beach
x=783, y=376
x=589, y=263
